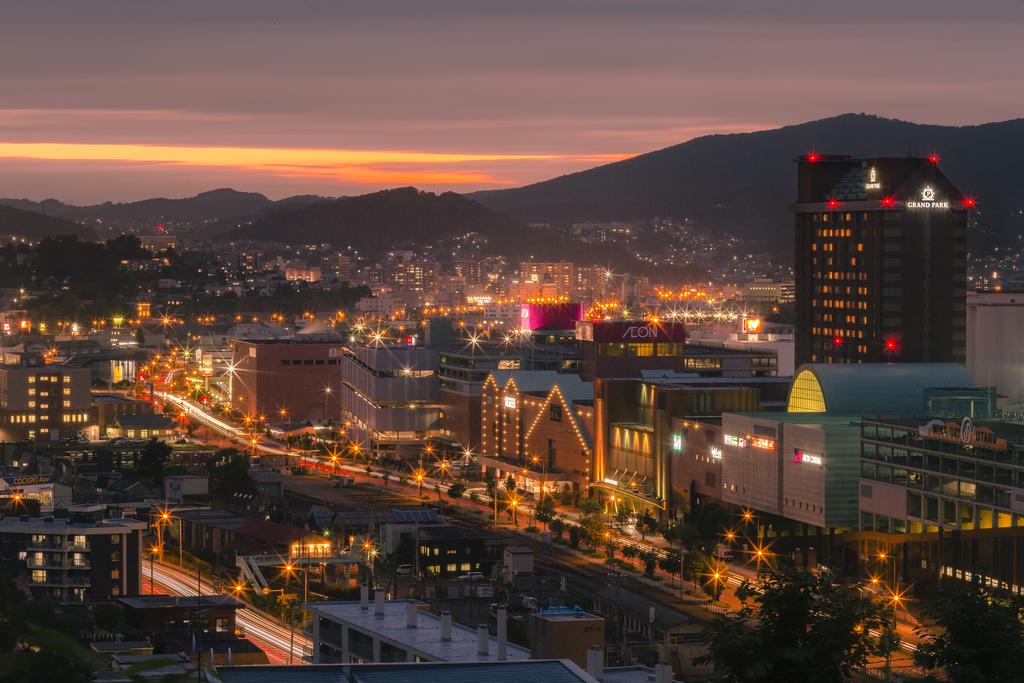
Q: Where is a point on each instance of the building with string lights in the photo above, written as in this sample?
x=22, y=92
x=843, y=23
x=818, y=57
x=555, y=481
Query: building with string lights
x=881, y=260
x=537, y=426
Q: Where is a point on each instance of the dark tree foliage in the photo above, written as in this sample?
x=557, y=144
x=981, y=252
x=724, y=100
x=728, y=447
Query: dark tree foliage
x=230, y=471
x=795, y=626
x=35, y=641
x=977, y=635
x=153, y=457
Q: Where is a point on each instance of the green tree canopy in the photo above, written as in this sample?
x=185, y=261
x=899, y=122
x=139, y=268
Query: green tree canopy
x=795, y=626
x=978, y=635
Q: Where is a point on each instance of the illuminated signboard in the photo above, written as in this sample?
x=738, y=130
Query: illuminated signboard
x=730, y=440
x=752, y=325
x=928, y=200
x=716, y=453
x=762, y=442
x=809, y=458
x=677, y=442
x=611, y=482
x=510, y=402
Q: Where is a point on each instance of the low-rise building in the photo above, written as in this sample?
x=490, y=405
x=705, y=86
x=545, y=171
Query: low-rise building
x=78, y=558
x=565, y=633
x=401, y=631
x=144, y=426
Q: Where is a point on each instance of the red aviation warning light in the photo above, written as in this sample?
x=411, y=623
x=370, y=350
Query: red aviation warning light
x=969, y=202
x=833, y=203
x=813, y=157
x=933, y=158
x=888, y=201
x=837, y=341
x=891, y=345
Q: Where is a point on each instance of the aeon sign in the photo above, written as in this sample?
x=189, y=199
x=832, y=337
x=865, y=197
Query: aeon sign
x=928, y=200
x=634, y=332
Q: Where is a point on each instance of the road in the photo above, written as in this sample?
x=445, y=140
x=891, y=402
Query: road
x=221, y=427
x=736, y=574
x=269, y=634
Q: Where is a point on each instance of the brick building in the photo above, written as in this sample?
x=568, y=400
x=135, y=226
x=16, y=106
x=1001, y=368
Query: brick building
x=295, y=379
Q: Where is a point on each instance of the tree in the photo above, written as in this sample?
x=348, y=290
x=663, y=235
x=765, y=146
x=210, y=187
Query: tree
x=650, y=561
x=646, y=523
x=510, y=484
x=385, y=476
x=557, y=527
x=544, y=511
x=230, y=471
x=693, y=565
x=622, y=516
x=456, y=491
x=671, y=563
x=592, y=525
x=437, y=490
x=795, y=626
x=154, y=455
x=574, y=536
x=888, y=643
x=566, y=496
x=37, y=643
x=978, y=636
x=474, y=497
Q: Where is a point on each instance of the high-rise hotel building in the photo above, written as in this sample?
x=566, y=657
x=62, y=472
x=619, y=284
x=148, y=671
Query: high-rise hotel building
x=881, y=261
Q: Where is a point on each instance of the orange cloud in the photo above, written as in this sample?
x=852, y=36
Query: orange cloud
x=365, y=175
x=369, y=167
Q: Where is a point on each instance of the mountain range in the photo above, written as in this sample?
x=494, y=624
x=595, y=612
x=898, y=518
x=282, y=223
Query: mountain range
x=14, y=221
x=744, y=183
x=740, y=183
x=205, y=206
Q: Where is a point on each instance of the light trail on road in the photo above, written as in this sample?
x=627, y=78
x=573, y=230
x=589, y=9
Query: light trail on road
x=262, y=629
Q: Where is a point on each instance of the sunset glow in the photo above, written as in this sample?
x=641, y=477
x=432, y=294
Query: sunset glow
x=363, y=167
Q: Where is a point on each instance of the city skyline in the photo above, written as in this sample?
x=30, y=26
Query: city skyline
x=120, y=102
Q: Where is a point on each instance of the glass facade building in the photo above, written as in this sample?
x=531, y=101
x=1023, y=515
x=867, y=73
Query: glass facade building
x=919, y=475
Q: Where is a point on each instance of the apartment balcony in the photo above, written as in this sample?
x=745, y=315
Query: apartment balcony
x=56, y=546
x=55, y=563
x=61, y=582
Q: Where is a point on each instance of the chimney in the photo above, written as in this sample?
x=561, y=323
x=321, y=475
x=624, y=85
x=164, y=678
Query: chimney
x=502, y=634
x=595, y=662
x=446, y=625
x=482, y=640
x=662, y=672
x=378, y=603
x=364, y=597
x=410, y=614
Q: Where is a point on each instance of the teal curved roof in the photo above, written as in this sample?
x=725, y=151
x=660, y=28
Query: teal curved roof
x=883, y=388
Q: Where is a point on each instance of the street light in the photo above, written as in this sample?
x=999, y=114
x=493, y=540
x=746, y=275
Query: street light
x=419, y=475
x=152, y=561
x=327, y=394
x=165, y=518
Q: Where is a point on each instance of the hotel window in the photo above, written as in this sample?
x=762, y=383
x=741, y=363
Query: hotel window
x=31, y=404
x=32, y=392
x=67, y=404
x=67, y=391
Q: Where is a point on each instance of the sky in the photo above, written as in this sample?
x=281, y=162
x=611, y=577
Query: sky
x=105, y=100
